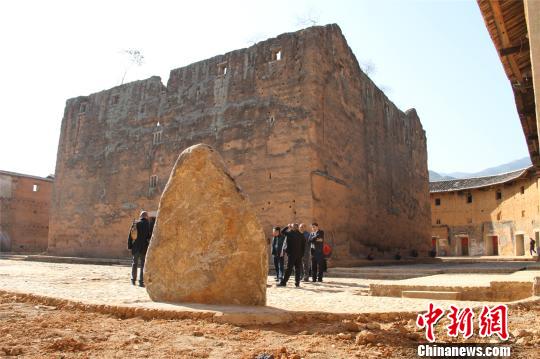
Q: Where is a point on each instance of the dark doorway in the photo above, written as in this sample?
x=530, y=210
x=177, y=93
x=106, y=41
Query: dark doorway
x=495, y=245
x=464, y=246
x=520, y=244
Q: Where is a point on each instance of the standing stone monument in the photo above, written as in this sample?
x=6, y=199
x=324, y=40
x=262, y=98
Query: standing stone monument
x=207, y=245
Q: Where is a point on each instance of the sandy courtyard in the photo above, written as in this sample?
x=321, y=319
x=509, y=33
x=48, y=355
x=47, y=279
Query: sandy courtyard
x=101, y=284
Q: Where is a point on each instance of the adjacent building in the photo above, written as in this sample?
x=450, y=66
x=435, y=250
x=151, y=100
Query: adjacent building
x=305, y=133
x=24, y=212
x=486, y=216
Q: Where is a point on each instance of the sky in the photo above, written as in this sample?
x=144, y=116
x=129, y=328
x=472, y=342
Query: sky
x=435, y=56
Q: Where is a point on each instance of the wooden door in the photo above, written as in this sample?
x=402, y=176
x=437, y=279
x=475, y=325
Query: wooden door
x=495, y=245
x=464, y=246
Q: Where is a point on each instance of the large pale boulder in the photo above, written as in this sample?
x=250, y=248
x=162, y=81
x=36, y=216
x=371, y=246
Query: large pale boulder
x=207, y=245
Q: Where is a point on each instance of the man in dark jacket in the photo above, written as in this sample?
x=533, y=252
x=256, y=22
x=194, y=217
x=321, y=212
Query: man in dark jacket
x=294, y=246
x=277, y=252
x=306, y=258
x=316, y=240
x=139, y=246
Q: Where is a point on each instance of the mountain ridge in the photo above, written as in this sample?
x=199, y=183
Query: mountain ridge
x=491, y=171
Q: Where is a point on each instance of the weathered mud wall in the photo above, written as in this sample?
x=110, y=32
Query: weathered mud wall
x=369, y=174
x=24, y=212
x=263, y=108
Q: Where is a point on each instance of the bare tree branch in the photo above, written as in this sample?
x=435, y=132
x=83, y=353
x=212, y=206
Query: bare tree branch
x=310, y=18
x=135, y=57
x=368, y=67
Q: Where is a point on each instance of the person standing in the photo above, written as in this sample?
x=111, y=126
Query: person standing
x=316, y=241
x=139, y=246
x=277, y=252
x=294, y=246
x=532, y=246
x=306, y=258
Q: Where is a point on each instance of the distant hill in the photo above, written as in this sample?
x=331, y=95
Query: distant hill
x=434, y=176
x=506, y=167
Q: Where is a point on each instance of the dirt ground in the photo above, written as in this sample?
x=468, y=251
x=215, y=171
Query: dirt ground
x=31, y=329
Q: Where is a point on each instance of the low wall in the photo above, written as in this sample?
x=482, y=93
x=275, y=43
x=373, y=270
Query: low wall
x=496, y=292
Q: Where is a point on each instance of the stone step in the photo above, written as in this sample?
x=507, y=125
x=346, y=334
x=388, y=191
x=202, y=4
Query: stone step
x=404, y=272
x=487, y=259
x=368, y=274
x=376, y=274
x=429, y=294
x=382, y=270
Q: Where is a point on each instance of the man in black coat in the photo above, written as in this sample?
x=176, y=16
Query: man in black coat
x=139, y=246
x=316, y=240
x=306, y=258
x=294, y=247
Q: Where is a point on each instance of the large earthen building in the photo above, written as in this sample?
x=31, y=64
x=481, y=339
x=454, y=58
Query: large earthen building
x=303, y=130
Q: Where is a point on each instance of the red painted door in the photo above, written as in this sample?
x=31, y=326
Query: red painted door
x=495, y=245
x=464, y=246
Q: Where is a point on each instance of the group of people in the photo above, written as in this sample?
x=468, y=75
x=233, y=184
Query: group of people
x=305, y=253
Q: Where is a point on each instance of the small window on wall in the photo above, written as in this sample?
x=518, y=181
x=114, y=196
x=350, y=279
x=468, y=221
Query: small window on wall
x=498, y=195
x=153, y=181
x=82, y=108
x=469, y=197
x=157, y=137
x=35, y=188
x=437, y=201
x=276, y=55
x=522, y=213
x=499, y=216
x=522, y=190
x=222, y=69
x=438, y=221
